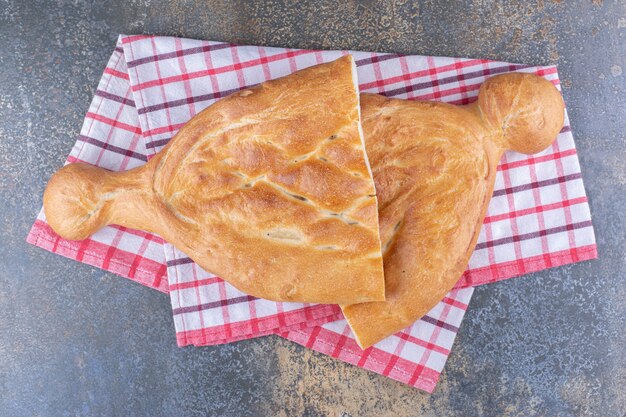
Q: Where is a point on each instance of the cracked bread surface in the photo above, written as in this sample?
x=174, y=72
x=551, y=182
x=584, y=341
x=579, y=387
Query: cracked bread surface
x=434, y=166
x=268, y=188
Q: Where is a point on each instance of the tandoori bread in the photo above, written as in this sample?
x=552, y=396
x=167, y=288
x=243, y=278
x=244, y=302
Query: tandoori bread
x=269, y=188
x=434, y=166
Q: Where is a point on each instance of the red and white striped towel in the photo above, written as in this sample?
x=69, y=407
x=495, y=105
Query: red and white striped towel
x=538, y=217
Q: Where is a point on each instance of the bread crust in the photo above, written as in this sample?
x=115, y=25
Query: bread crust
x=434, y=166
x=268, y=188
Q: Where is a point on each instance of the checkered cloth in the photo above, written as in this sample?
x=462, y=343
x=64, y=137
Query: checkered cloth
x=538, y=217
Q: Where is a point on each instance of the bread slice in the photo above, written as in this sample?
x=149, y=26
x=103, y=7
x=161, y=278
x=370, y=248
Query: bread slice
x=269, y=188
x=434, y=166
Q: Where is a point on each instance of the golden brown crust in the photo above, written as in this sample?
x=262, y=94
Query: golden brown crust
x=434, y=166
x=268, y=188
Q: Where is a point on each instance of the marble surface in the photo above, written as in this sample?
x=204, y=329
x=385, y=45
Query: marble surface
x=76, y=341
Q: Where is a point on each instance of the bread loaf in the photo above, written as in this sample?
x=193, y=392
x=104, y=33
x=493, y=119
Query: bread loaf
x=268, y=188
x=434, y=166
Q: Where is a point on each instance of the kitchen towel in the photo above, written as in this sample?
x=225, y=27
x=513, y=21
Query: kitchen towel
x=538, y=217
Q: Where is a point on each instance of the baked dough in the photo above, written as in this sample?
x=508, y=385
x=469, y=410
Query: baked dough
x=269, y=188
x=434, y=166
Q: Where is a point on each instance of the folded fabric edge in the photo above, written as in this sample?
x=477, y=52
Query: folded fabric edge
x=379, y=359
x=423, y=378
x=206, y=337
x=506, y=270
x=42, y=236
